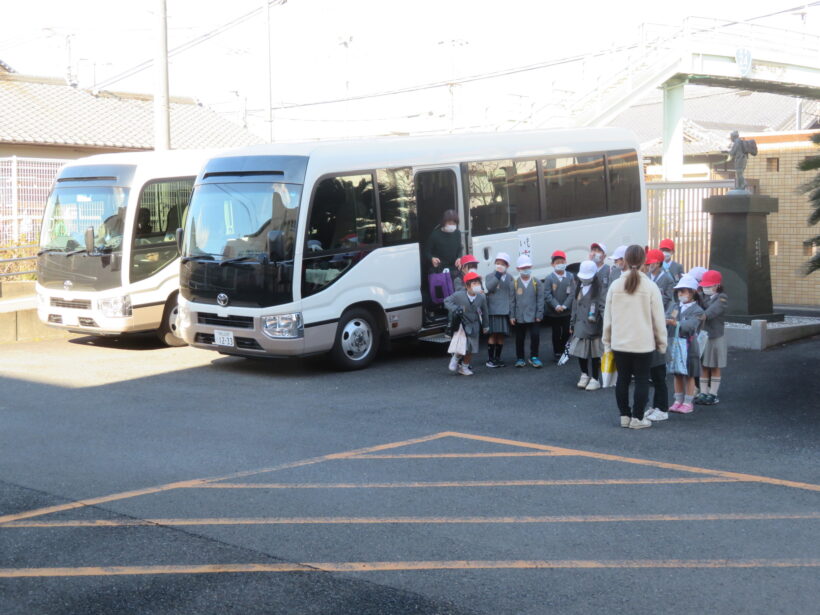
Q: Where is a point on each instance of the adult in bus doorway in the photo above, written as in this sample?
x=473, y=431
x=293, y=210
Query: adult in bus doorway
x=443, y=247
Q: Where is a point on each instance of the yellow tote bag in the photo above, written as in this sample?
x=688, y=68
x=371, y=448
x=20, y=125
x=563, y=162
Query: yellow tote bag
x=609, y=375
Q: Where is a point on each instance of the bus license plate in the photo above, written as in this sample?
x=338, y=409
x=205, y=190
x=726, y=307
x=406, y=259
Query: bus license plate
x=223, y=338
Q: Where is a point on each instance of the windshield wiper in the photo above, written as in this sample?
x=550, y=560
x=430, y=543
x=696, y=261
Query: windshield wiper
x=198, y=257
x=48, y=251
x=241, y=259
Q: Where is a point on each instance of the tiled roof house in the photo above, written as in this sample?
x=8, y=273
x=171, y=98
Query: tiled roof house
x=46, y=117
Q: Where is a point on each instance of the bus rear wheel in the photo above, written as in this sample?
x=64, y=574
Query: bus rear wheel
x=168, y=332
x=357, y=340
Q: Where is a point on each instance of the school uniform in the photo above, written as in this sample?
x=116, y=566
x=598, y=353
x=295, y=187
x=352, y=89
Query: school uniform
x=527, y=307
x=604, y=276
x=665, y=284
x=474, y=318
x=586, y=336
x=675, y=270
x=716, y=348
x=614, y=273
x=689, y=317
x=559, y=291
x=500, y=289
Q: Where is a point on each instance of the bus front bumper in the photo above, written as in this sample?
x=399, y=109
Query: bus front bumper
x=81, y=313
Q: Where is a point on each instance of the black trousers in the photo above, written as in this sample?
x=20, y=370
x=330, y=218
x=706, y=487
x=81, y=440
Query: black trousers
x=631, y=364
x=560, y=333
x=521, y=329
x=660, y=399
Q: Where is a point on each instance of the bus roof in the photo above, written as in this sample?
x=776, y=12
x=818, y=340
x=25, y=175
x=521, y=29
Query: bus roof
x=352, y=154
x=161, y=163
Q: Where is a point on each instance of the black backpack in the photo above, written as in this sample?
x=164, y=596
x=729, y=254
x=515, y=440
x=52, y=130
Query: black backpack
x=749, y=146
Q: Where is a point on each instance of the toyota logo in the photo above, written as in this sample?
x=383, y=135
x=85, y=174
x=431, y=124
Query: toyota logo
x=67, y=285
x=222, y=299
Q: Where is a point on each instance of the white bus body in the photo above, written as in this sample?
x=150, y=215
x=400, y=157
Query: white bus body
x=133, y=203
x=346, y=290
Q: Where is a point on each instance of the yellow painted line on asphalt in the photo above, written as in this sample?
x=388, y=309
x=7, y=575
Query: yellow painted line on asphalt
x=203, y=481
x=85, y=523
x=104, y=571
x=646, y=462
x=468, y=483
x=460, y=455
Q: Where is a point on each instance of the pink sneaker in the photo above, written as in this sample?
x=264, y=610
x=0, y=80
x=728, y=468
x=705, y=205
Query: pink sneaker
x=675, y=407
x=685, y=408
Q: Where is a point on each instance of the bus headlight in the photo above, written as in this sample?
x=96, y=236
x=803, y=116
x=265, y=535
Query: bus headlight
x=283, y=326
x=116, y=307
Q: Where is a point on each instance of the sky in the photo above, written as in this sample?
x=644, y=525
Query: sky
x=325, y=50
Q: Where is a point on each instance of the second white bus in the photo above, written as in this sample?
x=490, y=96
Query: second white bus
x=300, y=249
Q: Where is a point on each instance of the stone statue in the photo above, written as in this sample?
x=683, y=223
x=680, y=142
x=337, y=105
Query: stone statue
x=738, y=156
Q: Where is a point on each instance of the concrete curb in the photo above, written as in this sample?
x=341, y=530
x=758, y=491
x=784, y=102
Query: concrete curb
x=25, y=326
x=760, y=336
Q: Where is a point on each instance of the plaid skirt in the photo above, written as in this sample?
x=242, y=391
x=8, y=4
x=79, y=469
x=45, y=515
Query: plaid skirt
x=499, y=325
x=591, y=348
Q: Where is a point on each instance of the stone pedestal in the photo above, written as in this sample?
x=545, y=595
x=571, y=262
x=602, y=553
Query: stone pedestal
x=740, y=251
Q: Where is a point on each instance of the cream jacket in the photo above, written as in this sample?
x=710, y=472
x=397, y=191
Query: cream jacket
x=636, y=322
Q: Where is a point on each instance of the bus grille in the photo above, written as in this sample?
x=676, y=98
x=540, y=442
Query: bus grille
x=246, y=343
x=75, y=304
x=237, y=322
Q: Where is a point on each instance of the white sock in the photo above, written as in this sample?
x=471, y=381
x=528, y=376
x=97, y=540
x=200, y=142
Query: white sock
x=714, y=386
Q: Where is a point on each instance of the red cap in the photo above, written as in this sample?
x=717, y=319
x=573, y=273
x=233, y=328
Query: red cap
x=472, y=275
x=559, y=254
x=667, y=244
x=711, y=278
x=468, y=258
x=654, y=256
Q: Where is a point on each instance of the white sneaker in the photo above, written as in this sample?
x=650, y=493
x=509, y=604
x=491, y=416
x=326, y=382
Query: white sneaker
x=636, y=424
x=453, y=363
x=593, y=385
x=656, y=414
x=625, y=421
x=583, y=382
x=465, y=370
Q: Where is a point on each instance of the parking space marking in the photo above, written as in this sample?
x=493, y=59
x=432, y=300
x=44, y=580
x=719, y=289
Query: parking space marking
x=544, y=519
x=467, y=483
x=460, y=455
x=86, y=571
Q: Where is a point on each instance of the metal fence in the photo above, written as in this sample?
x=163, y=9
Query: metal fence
x=24, y=188
x=676, y=212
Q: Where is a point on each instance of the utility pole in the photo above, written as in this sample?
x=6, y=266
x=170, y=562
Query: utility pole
x=162, y=121
x=270, y=72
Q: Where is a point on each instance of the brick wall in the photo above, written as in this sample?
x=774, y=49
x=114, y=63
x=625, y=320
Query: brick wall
x=775, y=167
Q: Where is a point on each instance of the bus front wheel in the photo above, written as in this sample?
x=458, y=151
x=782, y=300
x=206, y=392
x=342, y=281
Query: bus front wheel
x=168, y=331
x=357, y=340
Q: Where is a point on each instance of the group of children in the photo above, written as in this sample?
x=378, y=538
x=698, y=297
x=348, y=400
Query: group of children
x=573, y=305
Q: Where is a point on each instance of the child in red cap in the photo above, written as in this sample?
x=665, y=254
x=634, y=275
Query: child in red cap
x=470, y=305
x=716, y=348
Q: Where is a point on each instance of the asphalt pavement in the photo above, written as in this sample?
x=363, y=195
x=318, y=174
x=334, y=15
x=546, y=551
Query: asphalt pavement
x=142, y=479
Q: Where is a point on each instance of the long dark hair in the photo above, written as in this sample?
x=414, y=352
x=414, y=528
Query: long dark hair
x=595, y=288
x=634, y=258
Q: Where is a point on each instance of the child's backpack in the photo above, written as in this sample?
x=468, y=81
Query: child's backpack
x=749, y=146
x=441, y=286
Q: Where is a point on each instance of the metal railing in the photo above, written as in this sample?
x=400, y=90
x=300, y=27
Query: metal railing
x=16, y=259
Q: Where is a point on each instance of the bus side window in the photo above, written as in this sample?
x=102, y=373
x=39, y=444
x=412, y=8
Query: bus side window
x=624, y=181
x=575, y=187
x=397, y=206
x=160, y=209
x=341, y=230
x=489, y=197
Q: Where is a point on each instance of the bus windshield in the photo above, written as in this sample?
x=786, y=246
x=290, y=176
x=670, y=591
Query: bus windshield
x=232, y=220
x=70, y=210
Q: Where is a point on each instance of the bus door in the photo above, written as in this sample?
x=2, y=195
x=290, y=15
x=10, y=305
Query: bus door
x=437, y=190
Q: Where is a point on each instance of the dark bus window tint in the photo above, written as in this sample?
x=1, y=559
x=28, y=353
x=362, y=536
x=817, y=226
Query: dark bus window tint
x=343, y=214
x=160, y=211
x=397, y=202
x=624, y=181
x=490, y=194
x=575, y=187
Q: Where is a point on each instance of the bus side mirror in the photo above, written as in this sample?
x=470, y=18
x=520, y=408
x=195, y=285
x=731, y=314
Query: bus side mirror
x=179, y=237
x=276, y=246
x=89, y=240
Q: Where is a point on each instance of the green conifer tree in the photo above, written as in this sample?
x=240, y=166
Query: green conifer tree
x=812, y=188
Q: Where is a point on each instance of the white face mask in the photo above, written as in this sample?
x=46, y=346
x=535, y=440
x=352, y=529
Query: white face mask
x=598, y=257
x=667, y=256
x=709, y=291
x=524, y=273
x=501, y=268
x=685, y=298
x=475, y=288
x=449, y=228
x=560, y=267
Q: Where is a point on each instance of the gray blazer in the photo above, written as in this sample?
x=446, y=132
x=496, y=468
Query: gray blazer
x=675, y=271
x=559, y=291
x=614, y=273
x=604, y=275
x=499, y=294
x=689, y=325
x=715, y=308
x=527, y=303
x=475, y=318
x=581, y=327
x=666, y=285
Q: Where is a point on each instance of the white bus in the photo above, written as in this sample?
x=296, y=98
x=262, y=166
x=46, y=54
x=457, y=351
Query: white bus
x=108, y=262
x=301, y=249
